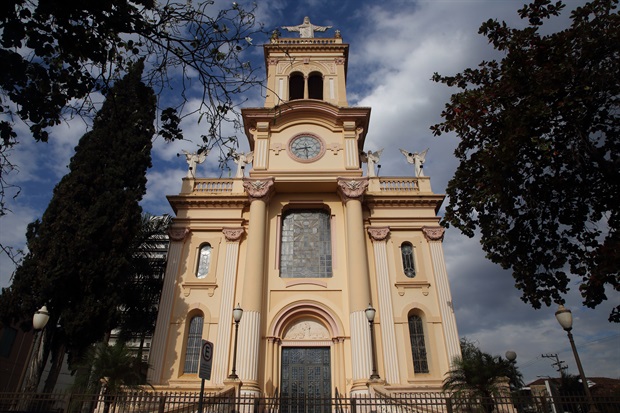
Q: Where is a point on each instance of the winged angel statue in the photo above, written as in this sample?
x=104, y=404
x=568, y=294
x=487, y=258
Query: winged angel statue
x=416, y=159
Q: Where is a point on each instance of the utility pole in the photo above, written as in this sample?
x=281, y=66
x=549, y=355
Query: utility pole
x=559, y=364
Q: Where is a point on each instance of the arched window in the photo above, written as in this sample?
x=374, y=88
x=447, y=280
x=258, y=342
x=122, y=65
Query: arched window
x=418, y=346
x=194, y=343
x=204, y=261
x=306, y=247
x=315, y=86
x=296, y=86
x=406, y=251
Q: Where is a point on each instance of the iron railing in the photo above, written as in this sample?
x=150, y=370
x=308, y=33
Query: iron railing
x=186, y=402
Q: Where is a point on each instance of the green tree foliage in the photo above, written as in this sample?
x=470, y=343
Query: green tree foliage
x=56, y=54
x=113, y=366
x=80, y=255
x=539, y=172
x=476, y=377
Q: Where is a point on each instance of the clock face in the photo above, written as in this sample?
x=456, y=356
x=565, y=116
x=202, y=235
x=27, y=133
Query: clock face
x=306, y=147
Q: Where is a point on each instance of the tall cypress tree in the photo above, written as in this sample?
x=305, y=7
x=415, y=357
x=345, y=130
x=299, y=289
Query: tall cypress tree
x=79, y=256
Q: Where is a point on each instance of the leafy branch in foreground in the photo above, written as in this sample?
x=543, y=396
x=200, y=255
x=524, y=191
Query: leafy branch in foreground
x=539, y=172
x=58, y=56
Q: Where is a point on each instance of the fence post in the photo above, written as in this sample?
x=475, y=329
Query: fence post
x=353, y=405
x=256, y=404
x=162, y=404
x=449, y=404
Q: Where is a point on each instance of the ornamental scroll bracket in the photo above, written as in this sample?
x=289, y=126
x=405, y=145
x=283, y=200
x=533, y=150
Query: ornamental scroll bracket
x=178, y=234
x=259, y=189
x=233, y=234
x=351, y=188
x=378, y=233
x=433, y=233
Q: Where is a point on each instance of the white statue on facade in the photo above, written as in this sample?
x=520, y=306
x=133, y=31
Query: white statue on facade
x=371, y=158
x=306, y=29
x=242, y=159
x=194, y=159
x=416, y=159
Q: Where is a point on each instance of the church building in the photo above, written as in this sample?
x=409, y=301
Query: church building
x=308, y=245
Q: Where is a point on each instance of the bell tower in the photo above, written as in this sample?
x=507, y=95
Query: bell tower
x=306, y=120
x=310, y=68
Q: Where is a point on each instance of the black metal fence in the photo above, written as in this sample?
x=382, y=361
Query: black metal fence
x=179, y=402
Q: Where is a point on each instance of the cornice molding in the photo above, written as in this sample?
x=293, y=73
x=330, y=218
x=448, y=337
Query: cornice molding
x=196, y=202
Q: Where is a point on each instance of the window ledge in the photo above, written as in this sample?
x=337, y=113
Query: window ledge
x=403, y=285
x=306, y=282
x=201, y=285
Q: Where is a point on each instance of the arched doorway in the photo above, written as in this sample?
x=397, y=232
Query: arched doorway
x=306, y=360
x=306, y=341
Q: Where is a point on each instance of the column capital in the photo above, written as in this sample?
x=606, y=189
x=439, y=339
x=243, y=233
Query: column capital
x=233, y=234
x=178, y=234
x=433, y=233
x=258, y=189
x=352, y=188
x=378, y=233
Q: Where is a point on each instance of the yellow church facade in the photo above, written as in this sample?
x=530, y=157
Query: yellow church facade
x=304, y=240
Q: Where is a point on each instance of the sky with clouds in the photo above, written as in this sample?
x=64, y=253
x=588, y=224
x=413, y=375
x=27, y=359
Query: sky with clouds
x=395, y=47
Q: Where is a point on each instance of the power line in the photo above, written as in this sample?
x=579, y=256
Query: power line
x=560, y=364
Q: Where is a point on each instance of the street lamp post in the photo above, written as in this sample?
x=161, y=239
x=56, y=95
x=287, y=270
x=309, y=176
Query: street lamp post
x=39, y=321
x=370, y=315
x=511, y=356
x=565, y=318
x=237, y=314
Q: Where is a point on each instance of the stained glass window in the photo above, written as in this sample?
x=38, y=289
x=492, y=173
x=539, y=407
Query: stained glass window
x=406, y=250
x=306, y=248
x=194, y=343
x=418, y=347
x=204, y=261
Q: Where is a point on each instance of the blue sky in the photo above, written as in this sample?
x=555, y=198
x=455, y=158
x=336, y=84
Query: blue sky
x=395, y=47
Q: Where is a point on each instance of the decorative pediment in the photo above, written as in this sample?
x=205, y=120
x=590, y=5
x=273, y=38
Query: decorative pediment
x=306, y=329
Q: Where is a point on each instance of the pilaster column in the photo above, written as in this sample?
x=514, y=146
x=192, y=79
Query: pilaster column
x=261, y=146
x=358, y=278
x=351, y=148
x=378, y=235
x=259, y=192
x=159, y=342
x=434, y=236
x=221, y=361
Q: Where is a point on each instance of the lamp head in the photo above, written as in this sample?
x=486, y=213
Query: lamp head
x=511, y=356
x=40, y=318
x=237, y=313
x=370, y=313
x=564, y=317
